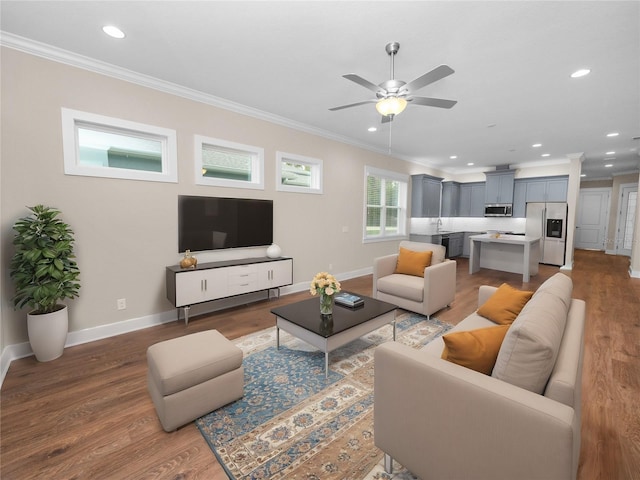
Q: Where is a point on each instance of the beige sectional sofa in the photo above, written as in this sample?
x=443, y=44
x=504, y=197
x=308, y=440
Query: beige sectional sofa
x=444, y=421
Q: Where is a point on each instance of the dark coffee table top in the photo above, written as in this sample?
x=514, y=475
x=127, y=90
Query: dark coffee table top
x=306, y=314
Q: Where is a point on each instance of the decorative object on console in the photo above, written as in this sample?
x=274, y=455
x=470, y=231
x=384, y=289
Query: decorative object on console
x=274, y=251
x=188, y=261
x=325, y=285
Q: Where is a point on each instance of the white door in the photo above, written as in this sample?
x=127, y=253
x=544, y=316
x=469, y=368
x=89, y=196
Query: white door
x=626, y=218
x=593, y=213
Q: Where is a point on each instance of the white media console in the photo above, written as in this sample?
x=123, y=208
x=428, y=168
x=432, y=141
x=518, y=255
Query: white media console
x=217, y=280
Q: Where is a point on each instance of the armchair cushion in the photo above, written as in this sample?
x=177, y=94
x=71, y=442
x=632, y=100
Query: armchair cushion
x=475, y=349
x=505, y=304
x=413, y=263
x=404, y=286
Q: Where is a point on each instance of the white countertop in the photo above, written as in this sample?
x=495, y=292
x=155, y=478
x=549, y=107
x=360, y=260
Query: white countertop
x=503, y=238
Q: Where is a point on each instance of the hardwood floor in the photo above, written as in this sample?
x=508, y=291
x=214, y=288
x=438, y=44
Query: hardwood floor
x=87, y=415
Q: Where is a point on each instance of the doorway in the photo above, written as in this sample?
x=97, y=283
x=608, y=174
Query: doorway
x=626, y=218
x=592, y=218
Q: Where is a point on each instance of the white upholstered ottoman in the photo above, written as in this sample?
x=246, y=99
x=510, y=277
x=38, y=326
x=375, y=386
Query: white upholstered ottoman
x=193, y=375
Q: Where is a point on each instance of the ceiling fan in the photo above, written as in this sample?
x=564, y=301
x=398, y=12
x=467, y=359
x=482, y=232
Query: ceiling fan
x=393, y=95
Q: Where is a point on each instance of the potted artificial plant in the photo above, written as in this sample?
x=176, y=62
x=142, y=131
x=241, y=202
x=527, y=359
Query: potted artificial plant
x=44, y=273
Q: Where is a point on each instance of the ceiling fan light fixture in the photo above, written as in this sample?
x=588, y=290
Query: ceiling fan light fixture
x=391, y=106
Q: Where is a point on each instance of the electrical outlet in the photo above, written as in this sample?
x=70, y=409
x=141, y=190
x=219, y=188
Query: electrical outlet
x=122, y=303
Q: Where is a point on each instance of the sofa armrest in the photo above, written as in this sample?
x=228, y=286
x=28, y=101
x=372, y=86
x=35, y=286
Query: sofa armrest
x=439, y=285
x=441, y=420
x=383, y=266
x=484, y=292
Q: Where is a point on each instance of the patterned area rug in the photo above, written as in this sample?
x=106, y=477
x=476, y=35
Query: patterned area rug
x=293, y=423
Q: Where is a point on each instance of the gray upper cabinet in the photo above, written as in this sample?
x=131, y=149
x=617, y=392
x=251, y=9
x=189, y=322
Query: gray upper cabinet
x=499, y=187
x=539, y=189
x=471, y=202
x=547, y=189
x=425, y=196
x=450, y=199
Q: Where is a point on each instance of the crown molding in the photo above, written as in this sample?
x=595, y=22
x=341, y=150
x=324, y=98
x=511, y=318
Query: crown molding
x=59, y=55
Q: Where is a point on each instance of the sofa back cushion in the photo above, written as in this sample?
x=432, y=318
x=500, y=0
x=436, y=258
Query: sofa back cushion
x=438, y=250
x=530, y=348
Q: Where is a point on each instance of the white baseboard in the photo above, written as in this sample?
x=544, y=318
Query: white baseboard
x=634, y=273
x=78, y=337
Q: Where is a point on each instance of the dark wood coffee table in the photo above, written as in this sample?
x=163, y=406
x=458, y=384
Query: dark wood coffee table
x=328, y=332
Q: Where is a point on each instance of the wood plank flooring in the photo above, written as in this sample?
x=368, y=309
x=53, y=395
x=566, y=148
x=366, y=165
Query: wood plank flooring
x=87, y=415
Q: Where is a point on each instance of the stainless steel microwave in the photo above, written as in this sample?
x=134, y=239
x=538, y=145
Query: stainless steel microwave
x=498, y=210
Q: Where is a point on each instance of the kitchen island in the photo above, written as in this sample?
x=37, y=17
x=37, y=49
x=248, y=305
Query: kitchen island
x=507, y=253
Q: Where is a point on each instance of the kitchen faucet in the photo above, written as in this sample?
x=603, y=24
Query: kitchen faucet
x=438, y=225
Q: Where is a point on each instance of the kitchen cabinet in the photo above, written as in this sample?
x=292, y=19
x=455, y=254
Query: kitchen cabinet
x=547, y=189
x=499, y=187
x=519, y=198
x=425, y=196
x=450, y=199
x=455, y=244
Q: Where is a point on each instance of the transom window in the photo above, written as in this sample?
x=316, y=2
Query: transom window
x=228, y=164
x=99, y=146
x=295, y=173
x=385, y=209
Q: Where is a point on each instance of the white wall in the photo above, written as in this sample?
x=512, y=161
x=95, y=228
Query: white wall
x=126, y=231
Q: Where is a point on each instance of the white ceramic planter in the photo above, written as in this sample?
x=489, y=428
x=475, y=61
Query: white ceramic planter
x=48, y=334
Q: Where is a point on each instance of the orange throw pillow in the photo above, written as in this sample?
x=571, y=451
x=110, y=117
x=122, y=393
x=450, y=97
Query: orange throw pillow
x=413, y=263
x=475, y=349
x=505, y=304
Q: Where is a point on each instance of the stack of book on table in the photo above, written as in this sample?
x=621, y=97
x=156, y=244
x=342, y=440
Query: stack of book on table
x=348, y=299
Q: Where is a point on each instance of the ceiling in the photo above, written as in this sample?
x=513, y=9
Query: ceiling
x=285, y=61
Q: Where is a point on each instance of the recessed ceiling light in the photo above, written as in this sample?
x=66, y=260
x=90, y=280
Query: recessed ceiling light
x=545, y=154
x=372, y=129
x=491, y=125
x=536, y=145
x=113, y=31
x=609, y=165
x=580, y=73
x=583, y=174
x=453, y=157
x=610, y=153
x=613, y=134
x=470, y=164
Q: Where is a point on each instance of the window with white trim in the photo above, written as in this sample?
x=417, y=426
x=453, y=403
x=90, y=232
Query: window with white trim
x=385, y=211
x=227, y=164
x=100, y=146
x=296, y=173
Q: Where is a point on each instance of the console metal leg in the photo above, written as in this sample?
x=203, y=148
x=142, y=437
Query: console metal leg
x=388, y=463
x=326, y=364
x=186, y=314
x=277, y=338
x=394, y=330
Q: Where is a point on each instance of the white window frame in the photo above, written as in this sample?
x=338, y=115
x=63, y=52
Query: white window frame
x=316, y=173
x=257, y=164
x=402, y=201
x=74, y=119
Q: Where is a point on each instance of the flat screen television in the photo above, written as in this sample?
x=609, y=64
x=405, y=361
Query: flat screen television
x=210, y=223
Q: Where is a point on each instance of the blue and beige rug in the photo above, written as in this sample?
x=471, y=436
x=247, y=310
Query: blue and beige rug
x=292, y=422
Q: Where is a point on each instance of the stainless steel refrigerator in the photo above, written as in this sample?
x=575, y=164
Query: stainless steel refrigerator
x=549, y=222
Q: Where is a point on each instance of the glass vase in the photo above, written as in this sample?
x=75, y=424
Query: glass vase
x=326, y=304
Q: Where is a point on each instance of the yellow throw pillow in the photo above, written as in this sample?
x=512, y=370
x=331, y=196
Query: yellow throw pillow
x=505, y=304
x=475, y=349
x=413, y=263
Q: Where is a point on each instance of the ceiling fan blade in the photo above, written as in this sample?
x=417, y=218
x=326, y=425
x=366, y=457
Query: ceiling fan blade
x=434, y=75
x=432, y=102
x=363, y=82
x=352, y=105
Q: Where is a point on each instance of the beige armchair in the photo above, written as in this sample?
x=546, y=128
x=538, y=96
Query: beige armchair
x=424, y=295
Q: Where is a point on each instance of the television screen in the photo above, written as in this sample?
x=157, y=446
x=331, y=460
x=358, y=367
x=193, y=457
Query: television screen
x=210, y=223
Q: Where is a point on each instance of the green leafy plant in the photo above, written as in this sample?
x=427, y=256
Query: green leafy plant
x=43, y=267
